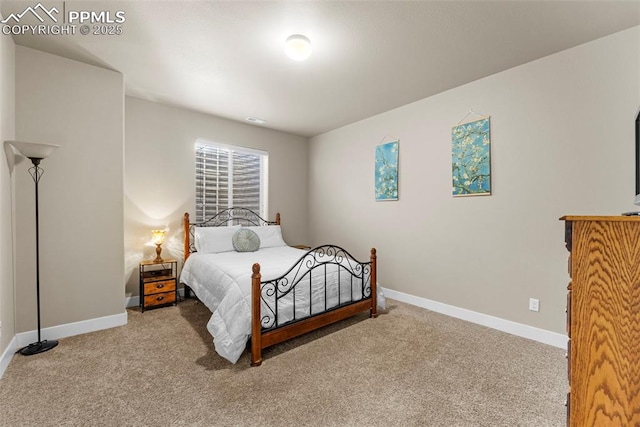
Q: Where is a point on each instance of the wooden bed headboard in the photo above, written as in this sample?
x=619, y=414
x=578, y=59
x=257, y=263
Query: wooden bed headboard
x=229, y=216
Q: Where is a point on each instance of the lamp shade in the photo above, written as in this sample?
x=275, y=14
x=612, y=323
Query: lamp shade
x=33, y=150
x=158, y=236
x=297, y=47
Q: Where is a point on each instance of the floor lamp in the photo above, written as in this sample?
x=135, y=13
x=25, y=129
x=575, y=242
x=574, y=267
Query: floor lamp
x=36, y=152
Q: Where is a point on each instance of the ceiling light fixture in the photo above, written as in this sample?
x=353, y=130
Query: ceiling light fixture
x=297, y=47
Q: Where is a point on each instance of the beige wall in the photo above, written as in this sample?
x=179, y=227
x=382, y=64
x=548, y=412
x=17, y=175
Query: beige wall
x=7, y=132
x=160, y=175
x=562, y=143
x=80, y=107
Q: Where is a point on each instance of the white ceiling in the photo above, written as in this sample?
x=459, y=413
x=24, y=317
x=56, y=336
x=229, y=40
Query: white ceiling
x=226, y=58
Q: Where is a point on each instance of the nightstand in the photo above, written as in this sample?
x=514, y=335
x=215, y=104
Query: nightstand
x=158, y=283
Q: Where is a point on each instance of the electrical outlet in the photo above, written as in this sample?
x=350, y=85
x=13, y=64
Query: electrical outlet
x=534, y=304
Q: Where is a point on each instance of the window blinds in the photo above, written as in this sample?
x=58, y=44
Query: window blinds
x=228, y=176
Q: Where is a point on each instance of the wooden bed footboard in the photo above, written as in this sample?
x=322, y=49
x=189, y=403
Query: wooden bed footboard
x=365, y=273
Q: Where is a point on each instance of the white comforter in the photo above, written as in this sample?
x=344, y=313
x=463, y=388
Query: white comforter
x=223, y=283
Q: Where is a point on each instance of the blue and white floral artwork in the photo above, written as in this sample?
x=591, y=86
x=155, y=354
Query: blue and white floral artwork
x=386, y=185
x=471, y=158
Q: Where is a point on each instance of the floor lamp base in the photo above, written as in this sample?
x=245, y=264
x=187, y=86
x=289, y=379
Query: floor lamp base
x=38, y=347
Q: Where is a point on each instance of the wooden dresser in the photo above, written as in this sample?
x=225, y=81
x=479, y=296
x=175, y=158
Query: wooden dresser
x=603, y=321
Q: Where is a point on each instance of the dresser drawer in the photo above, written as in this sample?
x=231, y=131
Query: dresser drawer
x=567, y=403
x=161, y=286
x=568, y=356
x=159, y=299
x=568, y=311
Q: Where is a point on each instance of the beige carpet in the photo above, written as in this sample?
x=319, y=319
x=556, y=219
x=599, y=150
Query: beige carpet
x=408, y=367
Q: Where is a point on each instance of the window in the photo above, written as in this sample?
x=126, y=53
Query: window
x=228, y=176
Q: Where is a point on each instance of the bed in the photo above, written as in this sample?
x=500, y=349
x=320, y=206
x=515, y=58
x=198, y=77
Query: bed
x=274, y=293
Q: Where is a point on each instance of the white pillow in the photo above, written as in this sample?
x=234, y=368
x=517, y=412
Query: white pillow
x=270, y=235
x=213, y=240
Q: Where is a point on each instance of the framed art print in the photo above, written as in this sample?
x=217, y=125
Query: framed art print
x=386, y=171
x=471, y=158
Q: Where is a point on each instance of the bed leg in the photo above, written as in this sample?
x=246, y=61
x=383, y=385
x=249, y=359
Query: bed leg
x=256, y=359
x=374, y=285
x=187, y=291
x=256, y=328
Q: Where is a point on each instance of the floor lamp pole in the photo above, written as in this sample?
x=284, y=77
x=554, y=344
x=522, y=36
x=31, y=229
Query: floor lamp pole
x=40, y=346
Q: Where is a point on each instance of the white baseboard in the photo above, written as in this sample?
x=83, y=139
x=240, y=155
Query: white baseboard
x=7, y=355
x=71, y=329
x=541, y=335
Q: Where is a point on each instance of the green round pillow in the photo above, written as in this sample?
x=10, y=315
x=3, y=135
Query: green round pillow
x=245, y=240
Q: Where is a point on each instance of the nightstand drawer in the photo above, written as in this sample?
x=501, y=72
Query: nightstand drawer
x=159, y=299
x=160, y=286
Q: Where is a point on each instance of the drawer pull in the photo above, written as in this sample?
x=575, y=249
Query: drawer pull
x=568, y=313
x=160, y=298
x=160, y=286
